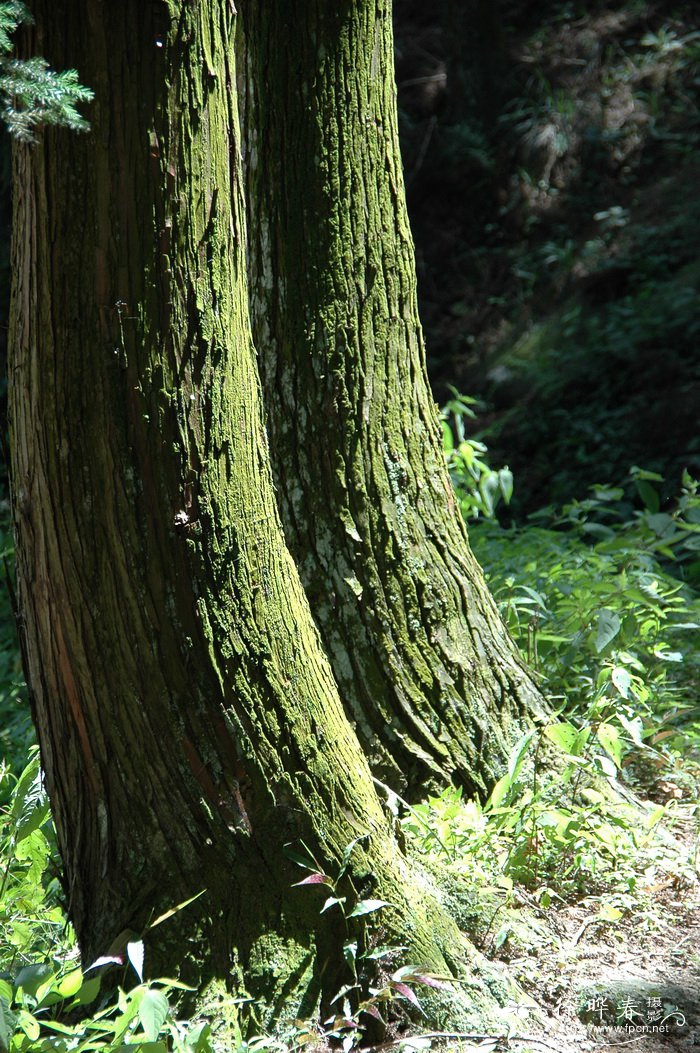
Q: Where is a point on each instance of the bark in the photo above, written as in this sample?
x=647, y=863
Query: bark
x=426, y=669
x=187, y=715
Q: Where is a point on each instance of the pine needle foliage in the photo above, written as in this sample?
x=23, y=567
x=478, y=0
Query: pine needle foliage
x=31, y=93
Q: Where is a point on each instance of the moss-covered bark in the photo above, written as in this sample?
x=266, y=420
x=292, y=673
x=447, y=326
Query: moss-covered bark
x=425, y=667
x=188, y=718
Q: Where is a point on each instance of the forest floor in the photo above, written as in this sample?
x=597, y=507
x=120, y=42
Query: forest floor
x=646, y=974
x=632, y=983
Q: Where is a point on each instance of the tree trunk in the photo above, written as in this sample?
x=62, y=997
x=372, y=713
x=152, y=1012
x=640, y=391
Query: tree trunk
x=188, y=718
x=426, y=669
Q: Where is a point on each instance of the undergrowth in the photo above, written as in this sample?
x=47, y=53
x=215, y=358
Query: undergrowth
x=602, y=596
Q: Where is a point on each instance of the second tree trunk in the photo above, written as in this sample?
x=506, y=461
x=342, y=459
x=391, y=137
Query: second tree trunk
x=426, y=669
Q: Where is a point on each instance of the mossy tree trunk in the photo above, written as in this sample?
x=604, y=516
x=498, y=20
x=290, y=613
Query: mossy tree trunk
x=426, y=669
x=189, y=722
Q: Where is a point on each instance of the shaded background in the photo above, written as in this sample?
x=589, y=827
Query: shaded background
x=551, y=157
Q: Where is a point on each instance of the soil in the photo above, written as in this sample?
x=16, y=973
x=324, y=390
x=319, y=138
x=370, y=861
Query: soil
x=633, y=975
x=632, y=985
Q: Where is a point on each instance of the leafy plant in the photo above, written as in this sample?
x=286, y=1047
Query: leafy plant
x=47, y=1001
x=592, y=599
x=478, y=487
x=372, y=987
x=33, y=94
x=601, y=597
x=559, y=830
x=16, y=732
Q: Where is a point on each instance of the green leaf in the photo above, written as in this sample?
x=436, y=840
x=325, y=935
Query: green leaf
x=653, y=818
x=622, y=680
x=331, y=902
x=59, y=1028
x=609, y=738
x=70, y=984
x=609, y=625
x=31, y=977
x=197, y=1039
x=181, y=906
x=153, y=1012
x=33, y=818
x=135, y=954
x=669, y=656
x=607, y=766
x=307, y=862
x=634, y=727
x=598, y=530
x=661, y=523
x=563, y=735
x=8, y=1023
x=29, y=1024
x=134, y=1047
x=348, y=851
x=517, y=757
x=643, y=473
x=502, y=935
x=350, y=955
x=382, y=952
x=499, y=792
x=648, y=494
x=367, y=906
x=608, y=912
x=24, y=784
x=505, y=477
x=515, y=763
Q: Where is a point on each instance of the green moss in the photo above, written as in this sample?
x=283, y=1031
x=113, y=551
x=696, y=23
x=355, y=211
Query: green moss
x=222, y=1008
x=281, y=974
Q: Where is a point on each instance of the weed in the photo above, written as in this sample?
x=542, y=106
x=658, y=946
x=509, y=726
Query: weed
x=478, y=487
x=374, y=985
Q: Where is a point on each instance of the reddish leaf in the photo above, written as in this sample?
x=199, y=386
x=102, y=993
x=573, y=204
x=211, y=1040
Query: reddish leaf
x=427, y=979
x=372, y=1011
x=431, y=981
x=406, y=993
x=314, y=879
x=417, y=974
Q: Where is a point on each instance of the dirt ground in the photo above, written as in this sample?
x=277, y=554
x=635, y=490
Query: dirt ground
x=634, y=985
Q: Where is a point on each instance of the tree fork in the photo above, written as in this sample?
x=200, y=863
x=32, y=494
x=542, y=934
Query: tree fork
x=428, y=673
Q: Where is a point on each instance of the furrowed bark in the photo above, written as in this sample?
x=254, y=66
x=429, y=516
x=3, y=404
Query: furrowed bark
x=188, y=719
x=426, y=669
